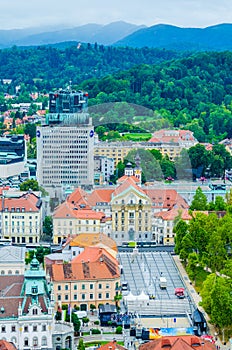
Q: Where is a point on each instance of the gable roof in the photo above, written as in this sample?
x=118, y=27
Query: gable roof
x=28, y=201
x=112, y=346
x=87, y=240
x=185, y=342
x=173, y=213
x=101, y=195
x=126, y=185
x=167, y=197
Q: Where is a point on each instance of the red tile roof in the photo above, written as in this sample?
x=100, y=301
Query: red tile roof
x=173, y=213
x=185, y=342
x=98, y=264
x=5, y=345
x=112, y=346
x=168, y=197
x=27, y=201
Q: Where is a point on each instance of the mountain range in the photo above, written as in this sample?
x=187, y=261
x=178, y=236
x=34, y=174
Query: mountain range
x=213, y=38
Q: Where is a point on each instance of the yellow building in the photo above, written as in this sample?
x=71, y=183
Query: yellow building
x=92, y=277
x=168, y=142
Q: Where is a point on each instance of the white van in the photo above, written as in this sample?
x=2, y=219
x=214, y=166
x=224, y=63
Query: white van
x=163, y=283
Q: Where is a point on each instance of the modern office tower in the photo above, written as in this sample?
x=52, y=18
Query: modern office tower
x=13, y=156
x=65, y=144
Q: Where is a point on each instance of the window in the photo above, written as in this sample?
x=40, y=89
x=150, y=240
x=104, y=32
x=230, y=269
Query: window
x=83, y=286
x=44, y=341
x=107, y=286
x=100, y=286
x=59, y=297
x=35, y=312
x=75, y=297
x=26, y=342
x=3, y=329
x=66, y=297
x=34, y=328
x=13, y=329
x=91, y=286
x=66, y=287
x=107, y=295
x=83, y=296
x=91, y=296
x=25, y=329
x=99, y=295
x=44, y=328
x=35, y=341
x=59, y=287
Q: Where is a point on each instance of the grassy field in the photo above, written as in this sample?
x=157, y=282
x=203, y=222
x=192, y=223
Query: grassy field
x=137, y=137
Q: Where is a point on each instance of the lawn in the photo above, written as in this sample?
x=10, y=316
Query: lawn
x=137, y=137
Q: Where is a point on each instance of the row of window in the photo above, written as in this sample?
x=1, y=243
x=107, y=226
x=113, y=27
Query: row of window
x=83, y=296
x=83, y=286
x=25, y=329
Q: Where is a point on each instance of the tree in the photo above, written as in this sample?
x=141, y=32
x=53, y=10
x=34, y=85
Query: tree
x=81, y=345
x=206, y=291
x=192, y=265
x=186, y=248
x=199, y=159
x=40, y=253
x=199, y=200
x=48, y=227
x=29, y=185
x=180, y=230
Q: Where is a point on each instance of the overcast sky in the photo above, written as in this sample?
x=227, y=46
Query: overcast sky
x=183, y=13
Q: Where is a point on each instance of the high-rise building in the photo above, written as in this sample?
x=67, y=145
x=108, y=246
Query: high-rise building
x=65, y=143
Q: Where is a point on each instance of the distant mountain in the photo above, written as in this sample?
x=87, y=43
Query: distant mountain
x=89, y=33
x=218, y=37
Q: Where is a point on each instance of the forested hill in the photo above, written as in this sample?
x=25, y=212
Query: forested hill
x=46, y=67
x=193, y=92
x=214, y=38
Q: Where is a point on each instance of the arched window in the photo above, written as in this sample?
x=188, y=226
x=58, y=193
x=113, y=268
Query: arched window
x=2, y=272
x=17, y=272
x=35, y=341
x=44, y=341
x=9, y=272
x=26, y=342
x=13, y=340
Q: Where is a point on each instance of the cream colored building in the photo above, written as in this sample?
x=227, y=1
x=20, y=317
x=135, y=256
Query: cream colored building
x=21, y=215
x=91, y=278
x=168, y=142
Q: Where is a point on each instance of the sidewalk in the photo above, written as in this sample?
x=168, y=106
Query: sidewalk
x=197, y=299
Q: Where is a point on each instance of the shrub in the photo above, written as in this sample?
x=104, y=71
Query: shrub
x=119, y=330
x=96, y=331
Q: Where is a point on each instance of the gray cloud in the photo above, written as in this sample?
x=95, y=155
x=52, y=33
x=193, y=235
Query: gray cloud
x=186, y=13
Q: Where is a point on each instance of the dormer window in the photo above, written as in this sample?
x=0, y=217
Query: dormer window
x=35, y=311
x=34, y=289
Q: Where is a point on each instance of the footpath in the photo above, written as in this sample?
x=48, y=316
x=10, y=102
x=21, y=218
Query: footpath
x=197, y=299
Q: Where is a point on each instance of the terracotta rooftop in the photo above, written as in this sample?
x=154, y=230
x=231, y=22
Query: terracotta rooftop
x=186, y=342
x=129, y=182
x=87, y=240
x=68, y=209
x=101, y=195
x=112, y=346
x=5, y=345
x=168, y=198
x=173, y=213
x=104, y=268
x=93, y=254
x=28, y=201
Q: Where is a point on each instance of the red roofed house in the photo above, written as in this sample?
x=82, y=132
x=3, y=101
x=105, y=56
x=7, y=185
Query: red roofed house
x=22, y=216
x=123, y=213
x=92, y=277
x=185, y=342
